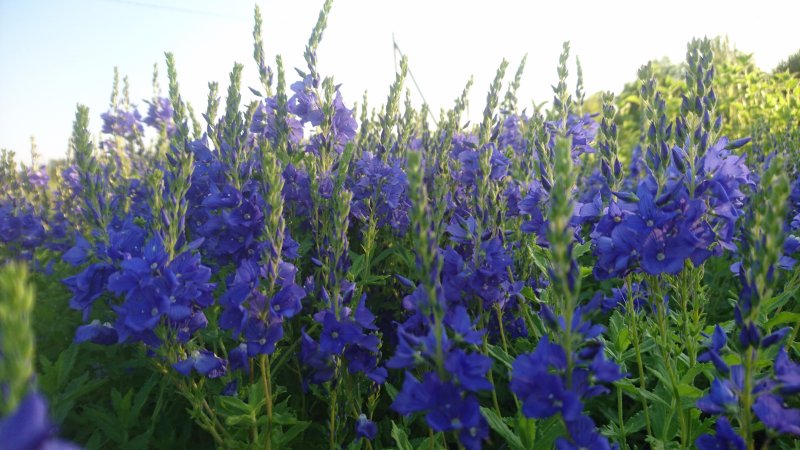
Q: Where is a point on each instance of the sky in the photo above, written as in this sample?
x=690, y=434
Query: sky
x=56, y=54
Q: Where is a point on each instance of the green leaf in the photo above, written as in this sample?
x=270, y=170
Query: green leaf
x=143, y=394
x=232, y=406
x=695, y=370
x=240, y=419
x=391, y=390
x=289, y=435
x=62, y=403
x=548, y=431
x=581, y=249
x=526, y=430
x=653, y=398
x=105, y=421
x=500, y=427
x=782, y=318
x=383, y=255
x=65, y=363
x=500, y=355
x=529, y=294
x=356, y=265
x=400, y=438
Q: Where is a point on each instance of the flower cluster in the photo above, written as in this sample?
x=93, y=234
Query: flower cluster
x=557, y=380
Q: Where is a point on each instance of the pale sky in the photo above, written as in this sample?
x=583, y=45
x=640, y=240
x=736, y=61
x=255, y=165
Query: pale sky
x=55, y=54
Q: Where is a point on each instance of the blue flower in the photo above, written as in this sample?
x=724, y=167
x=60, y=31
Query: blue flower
x=265, y=123
x=142, y=309
x=774, y=413
x=447, y=409
x=583, y=435
x=721, y=398
x=304, y=103
x=261, y=336
x=366, y=428
x=88, y=285
x=286, y=302
x=30, y=428
x=238, y=358
x=406, y=353
x=98, y=333
x=469, y=369
x=459, y=321
x=787, y=373
x=321, y=364
x=204, y=362
x=121, y=123
x=725, y=439
x=663, y=253
x=336, y=334
x=543, y=393
x=413, y=396
x=160, y=115
x=718, y=341
x=78, y=254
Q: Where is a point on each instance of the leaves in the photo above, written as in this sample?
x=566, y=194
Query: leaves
x=499, y=425
x=400, y=438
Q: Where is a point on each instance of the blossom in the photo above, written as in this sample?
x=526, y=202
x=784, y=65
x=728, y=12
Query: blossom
x=29, y=427
x=366, y=428
x=204, y=362
x=725, y=439
x=772, y=411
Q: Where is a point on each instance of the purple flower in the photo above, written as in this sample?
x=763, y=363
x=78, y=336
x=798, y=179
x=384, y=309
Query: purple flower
x=265, y=123
x=126, y=124
x=160, y=115
x=304, y=103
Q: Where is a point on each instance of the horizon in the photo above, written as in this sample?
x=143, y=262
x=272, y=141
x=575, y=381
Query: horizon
x=83, y=41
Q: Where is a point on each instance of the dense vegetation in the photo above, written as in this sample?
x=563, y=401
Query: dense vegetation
x=299, y=272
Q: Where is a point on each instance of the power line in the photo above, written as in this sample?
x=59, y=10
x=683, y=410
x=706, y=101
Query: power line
x=411, y=74
x=176, y=9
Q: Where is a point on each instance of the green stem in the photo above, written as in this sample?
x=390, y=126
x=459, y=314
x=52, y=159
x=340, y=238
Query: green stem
x=747, y=400
x=495, y=403
x=502, y=328
x=637, y=347
x=265, y=380
x=671, y=371
x=332, y=422
x=621, y=418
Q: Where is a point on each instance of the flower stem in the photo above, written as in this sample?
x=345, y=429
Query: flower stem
x=637, y=347
x=265, y=379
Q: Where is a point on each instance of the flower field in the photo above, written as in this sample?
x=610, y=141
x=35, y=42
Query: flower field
x=306, y=272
